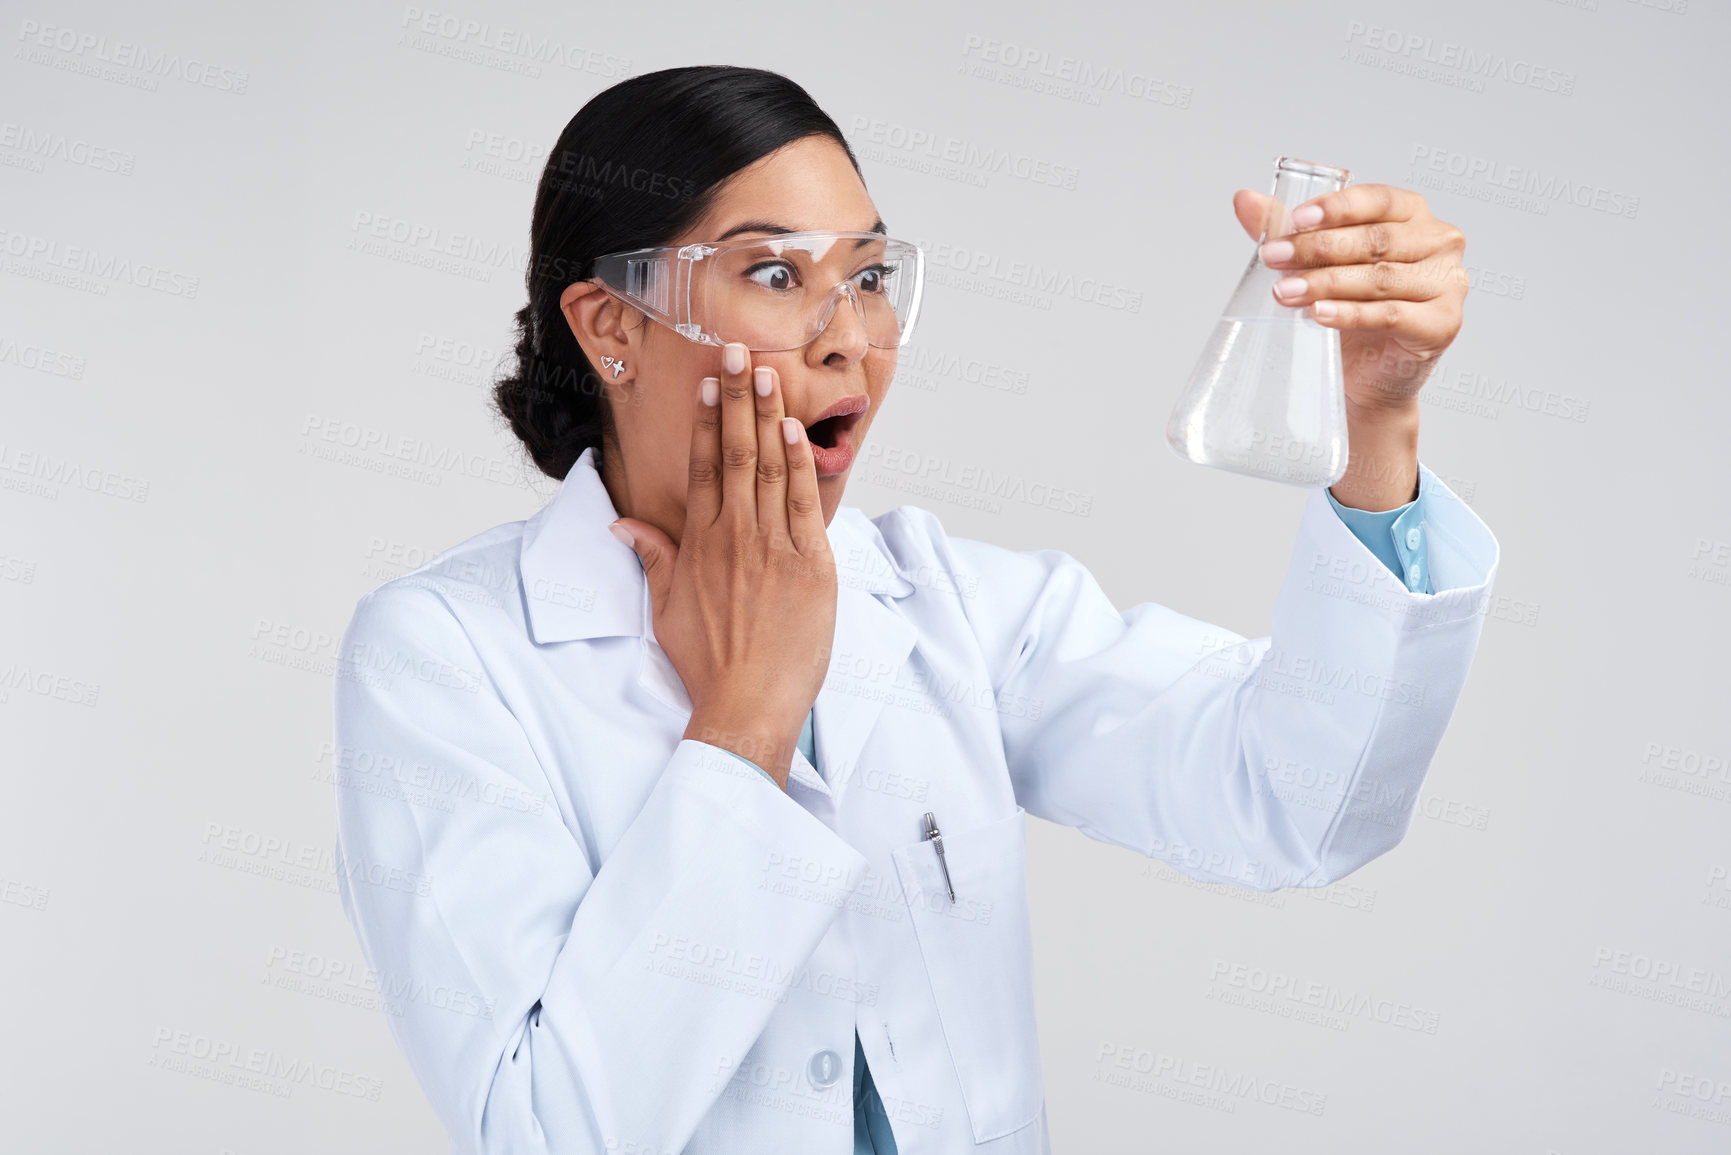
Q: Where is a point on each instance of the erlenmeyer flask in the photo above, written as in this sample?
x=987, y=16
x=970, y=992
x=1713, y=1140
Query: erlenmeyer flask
x=1266, y=397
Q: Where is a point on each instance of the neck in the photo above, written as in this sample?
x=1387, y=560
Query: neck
x=615, y=477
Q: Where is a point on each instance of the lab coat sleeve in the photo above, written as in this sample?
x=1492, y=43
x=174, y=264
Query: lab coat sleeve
x=548, y=1002
x=1288, y=760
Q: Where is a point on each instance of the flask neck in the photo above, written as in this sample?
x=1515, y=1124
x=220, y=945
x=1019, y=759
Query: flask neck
x=1292, y=187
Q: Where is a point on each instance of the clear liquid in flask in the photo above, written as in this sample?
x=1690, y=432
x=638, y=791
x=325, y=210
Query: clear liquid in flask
x=1267, y=396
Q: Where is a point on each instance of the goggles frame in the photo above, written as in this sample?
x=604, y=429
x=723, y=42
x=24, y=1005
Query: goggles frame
x=658, y=282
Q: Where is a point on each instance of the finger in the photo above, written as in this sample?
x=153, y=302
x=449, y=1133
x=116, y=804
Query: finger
x=1358, y=204
x=1383, y=281
x=804, y=506
x=1416, y=324
x=1363, y=244
x=703, y=485
x=1251, y=208
x=771, y=455
x=738, y=436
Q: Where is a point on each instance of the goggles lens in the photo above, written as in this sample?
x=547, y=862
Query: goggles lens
x=776, y=292
x=780, y=293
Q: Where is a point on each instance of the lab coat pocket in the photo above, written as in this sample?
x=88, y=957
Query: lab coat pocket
x=978, y=953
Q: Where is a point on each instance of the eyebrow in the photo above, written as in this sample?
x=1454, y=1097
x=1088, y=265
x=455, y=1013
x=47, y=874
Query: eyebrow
x=772, y=227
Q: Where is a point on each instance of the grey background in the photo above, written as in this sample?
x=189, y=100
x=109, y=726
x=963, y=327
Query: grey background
x=177, y=558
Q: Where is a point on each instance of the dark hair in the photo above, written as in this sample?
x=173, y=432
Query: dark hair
x=637, y=165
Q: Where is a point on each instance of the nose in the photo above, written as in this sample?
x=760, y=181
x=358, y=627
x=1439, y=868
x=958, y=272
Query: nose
x=840, y=330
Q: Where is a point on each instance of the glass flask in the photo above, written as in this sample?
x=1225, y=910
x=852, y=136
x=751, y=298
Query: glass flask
x=1266, y=397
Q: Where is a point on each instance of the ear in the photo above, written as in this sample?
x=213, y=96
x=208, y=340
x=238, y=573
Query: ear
x=1252, y=209
x=596, y=320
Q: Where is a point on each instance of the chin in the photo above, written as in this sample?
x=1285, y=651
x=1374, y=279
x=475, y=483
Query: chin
x=829, y=492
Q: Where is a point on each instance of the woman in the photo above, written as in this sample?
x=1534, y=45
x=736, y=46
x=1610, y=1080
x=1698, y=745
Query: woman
x=716, y=841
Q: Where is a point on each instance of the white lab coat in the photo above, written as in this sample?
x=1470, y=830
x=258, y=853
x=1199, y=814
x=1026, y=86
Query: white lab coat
x=595, y=935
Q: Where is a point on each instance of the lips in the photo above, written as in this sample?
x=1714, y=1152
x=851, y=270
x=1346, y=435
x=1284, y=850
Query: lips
x=831, y=434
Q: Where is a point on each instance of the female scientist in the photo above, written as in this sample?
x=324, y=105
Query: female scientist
x=710, y=834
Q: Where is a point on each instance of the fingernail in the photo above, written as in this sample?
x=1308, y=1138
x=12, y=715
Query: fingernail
x=623, y=534
x=1277, y=252
x=711, y=390
x=1304, y=218
x=761, y=379
x=733, y=357
x=1326, y=309
x=1290, y=287
x=790, y=430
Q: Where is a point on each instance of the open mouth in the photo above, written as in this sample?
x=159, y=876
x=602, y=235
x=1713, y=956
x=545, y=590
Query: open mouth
x=831, y=434
x=824, y=434
x=833, y=424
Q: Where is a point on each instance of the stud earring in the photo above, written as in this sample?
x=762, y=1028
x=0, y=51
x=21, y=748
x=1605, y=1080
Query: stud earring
x=615, y=364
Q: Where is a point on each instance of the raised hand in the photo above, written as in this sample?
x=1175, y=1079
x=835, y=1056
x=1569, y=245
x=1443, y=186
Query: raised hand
x=744, y=605
x=1371, y=261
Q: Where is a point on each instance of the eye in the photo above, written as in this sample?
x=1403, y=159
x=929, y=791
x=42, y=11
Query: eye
x=778, y=276
x=875, y=279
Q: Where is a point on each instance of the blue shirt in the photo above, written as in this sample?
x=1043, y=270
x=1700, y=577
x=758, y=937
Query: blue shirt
x=1395, y=536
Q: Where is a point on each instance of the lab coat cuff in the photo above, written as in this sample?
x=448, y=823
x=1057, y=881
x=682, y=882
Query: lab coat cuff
x=753, y=765
x=735, y=784
x=1330, y=560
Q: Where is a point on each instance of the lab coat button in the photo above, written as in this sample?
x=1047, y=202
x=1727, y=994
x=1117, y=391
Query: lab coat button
x=824, y=1069
x=1412, y=538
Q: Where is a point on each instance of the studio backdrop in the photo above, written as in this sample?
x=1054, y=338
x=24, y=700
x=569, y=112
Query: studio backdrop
x=259, y=266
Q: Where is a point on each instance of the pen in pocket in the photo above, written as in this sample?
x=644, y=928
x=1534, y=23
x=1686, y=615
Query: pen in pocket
x=937, y=840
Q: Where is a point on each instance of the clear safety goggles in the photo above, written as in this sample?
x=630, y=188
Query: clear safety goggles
x=775, y=292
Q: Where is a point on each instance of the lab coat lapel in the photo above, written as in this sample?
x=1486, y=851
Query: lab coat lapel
x=579, y=581
x=871, y=642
